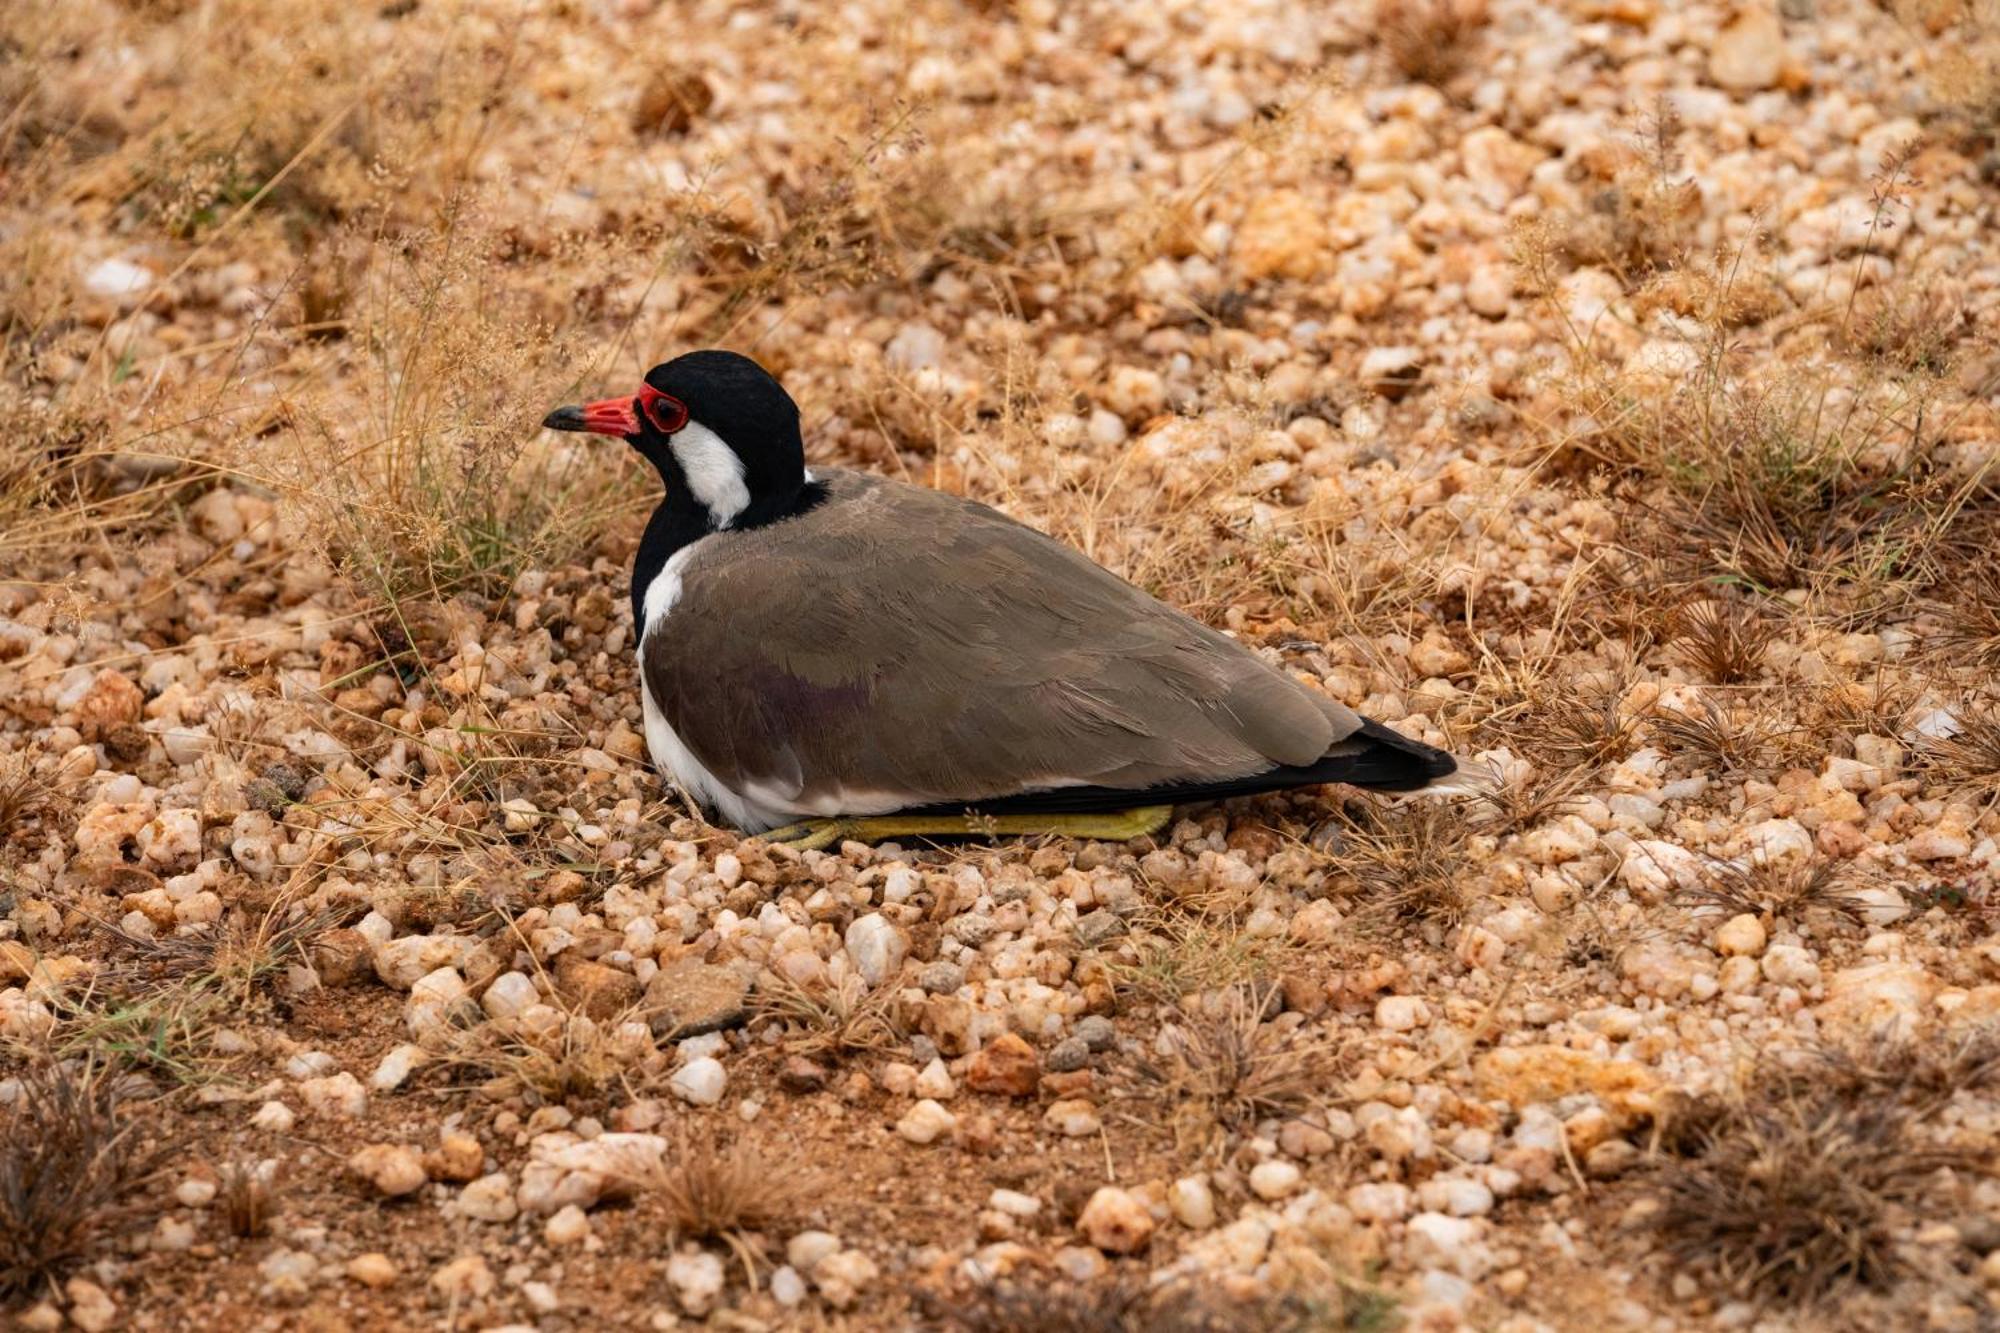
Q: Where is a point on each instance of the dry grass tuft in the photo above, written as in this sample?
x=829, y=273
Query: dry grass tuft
x=1403, y=862
x=71, y=1162
x=1790, y=1189
x=838, y=1019
x=1967, y=760
x=1923, y=1072
x=723, y=1192
x=1568, y=724
x=247, y=1197
x=1787, y=890
x=1430, y=41
x=574, y=1060
x=1131, y=1303
x=1723, y=638
x=1223, y=1068
x=1723, y=741
x=1181, y=955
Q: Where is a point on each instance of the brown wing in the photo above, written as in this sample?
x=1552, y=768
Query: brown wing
x=896, y=640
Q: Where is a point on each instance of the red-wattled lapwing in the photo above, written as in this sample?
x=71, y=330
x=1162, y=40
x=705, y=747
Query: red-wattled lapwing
x=838, y=655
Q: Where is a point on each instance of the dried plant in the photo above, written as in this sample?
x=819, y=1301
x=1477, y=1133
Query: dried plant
x=1788, y=1191
x=1923, y=1071
x=571, y=1059
x=1179, y=955
x=72, y=1163
x=1968, y=758
x=1723, y=638
x=1129, y=1303
x=1223, y=1067
x=1562, y=723
x=836, y=1019
x=1430, y=40
x=1403, y=862
x=1787, y=890
x=246, y=1195
x=1723, y=741
x=710, y=1190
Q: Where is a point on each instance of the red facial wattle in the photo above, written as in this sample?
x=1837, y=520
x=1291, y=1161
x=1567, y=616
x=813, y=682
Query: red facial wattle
x=621, y=416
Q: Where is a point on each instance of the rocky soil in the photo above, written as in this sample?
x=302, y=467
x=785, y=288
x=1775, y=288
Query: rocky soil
x=1392, y=339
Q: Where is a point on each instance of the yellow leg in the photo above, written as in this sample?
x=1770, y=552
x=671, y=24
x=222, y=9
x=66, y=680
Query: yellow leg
x=1110, y=826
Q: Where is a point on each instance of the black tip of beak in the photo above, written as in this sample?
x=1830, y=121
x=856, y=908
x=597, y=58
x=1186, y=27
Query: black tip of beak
x=565, y=418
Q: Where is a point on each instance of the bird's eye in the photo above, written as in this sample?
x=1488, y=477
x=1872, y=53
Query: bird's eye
x=667, y=413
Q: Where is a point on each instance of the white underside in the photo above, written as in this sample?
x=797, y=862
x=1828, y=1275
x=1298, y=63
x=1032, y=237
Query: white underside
x=759, y=805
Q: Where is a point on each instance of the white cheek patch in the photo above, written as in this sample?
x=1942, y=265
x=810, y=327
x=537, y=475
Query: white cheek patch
x=714, y=473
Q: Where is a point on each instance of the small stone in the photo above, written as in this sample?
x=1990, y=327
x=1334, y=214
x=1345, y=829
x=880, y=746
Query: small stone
x=1469, y=1198
x=1014, y=1203
x=670, y=100
x=597, y=990
x=1790, y=965
x=926, y=1122
x=1392, y=371
x=1283, y=236
x=1748, y=55
x=1192, y=1202
x=403, y=962
x=1067, y=1055
x=798, y=1074
x=1401, y=1013
x=335, y=1095
x=700, y=1082
x=90, y=1306
x=941, y=978
x=438, y=1000
x=935, y=1081
x=1274, y=1179
x=397, y=1066
x=1097, y=928
x=1073, y=1117
x=1385, y=1202
x=915, y=346
x=1944, y=843
x=117, y=279
x=465, y=1279
x=373, y=1269
x=458, y=1157
x=195, y=1192
x=1004, y=1067
x=507, y=995
x=843, y=1276
x=342, y=957
x=1437, y=1240
x=1740, y=936
x=805, y=1250
x=1490, y=291
x=489, y=1199
x=788, y=1289
x=690, y=998
x=1115, y=1222
x=1096, y=1032
x=568, y=1225
x=390, y=1168
x=276, y=1117
x=696, y=1279
x=876, y=947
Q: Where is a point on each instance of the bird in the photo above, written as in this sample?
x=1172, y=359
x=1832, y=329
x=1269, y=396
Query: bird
x=828, y=654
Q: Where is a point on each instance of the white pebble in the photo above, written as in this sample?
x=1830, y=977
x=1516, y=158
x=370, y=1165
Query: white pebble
x=700, y=1082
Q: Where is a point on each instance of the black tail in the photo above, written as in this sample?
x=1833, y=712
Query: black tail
x=1387, y=762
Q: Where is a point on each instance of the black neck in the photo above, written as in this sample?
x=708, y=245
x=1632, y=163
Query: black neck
x=681, y=520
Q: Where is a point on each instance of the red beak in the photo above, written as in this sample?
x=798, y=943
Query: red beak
x=606, y=416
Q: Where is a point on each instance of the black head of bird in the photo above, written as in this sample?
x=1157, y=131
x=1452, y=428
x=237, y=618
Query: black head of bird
x=723, y=434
